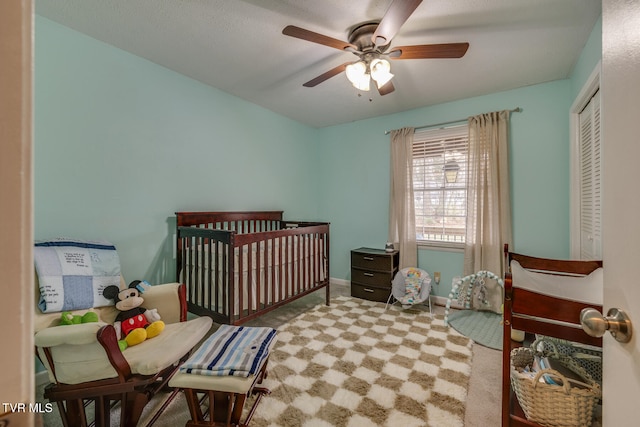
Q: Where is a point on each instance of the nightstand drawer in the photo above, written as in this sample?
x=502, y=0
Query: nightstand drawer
x=371, y=261
x=373, y=278
x=370, y=293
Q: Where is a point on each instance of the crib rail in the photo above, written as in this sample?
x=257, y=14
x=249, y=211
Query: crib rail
x=236, y=274
x=241, y=222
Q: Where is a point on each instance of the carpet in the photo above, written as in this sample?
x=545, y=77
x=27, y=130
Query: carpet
x=355, y=364
x=483, y=327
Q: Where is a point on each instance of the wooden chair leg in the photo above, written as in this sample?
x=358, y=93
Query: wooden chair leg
x=194, y=404
x=72, y=413
x=102, y=412
x=131, y=408
x=238, y=404
x=219, y=407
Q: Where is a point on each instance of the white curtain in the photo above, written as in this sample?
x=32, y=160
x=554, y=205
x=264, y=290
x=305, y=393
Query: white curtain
x=488, y=202
x=402, y=220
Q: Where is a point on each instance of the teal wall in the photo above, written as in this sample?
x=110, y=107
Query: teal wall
x=588, y=60
x=356, y=194
x=122, y=143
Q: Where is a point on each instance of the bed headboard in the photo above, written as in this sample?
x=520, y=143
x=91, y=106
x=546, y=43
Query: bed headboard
x=575, y=267
x=531, y=311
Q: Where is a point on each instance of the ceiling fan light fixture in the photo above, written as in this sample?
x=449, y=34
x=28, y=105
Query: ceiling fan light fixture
x=381, y=71
x=357, y=75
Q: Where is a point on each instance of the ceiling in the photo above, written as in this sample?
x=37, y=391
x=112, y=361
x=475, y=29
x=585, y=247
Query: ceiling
x=238, y=47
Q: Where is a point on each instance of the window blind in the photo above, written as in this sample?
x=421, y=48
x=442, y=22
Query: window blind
x=440, y=205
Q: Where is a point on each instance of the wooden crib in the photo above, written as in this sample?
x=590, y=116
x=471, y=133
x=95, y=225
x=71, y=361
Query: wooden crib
x=240, y=265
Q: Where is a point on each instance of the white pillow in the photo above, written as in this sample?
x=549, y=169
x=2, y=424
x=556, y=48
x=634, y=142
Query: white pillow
x=586, y=289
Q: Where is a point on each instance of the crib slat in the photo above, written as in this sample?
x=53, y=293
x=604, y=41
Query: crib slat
x=264, y=286
x=298, y=247
x=224, y=283
x=239, y=288
x=305, y=261
x=274, y=298
x=201, y=267
x=316, y=263
x=250, y=272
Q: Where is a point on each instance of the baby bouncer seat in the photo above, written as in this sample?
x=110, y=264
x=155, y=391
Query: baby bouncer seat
x=409, y=287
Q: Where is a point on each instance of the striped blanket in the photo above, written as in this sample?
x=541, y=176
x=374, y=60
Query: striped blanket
x=231, y=350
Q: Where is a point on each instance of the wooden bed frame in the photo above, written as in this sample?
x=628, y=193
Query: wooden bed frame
x=240, y=265
x=535, y=313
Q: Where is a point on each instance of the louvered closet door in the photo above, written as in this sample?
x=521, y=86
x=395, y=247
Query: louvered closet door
x=590, y=181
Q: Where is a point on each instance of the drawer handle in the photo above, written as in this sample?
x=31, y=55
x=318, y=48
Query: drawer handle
x=367, y=290
x=368, y=274
x=368, y=258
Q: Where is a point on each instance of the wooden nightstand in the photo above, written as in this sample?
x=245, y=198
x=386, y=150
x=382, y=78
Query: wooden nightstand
x=372, y=271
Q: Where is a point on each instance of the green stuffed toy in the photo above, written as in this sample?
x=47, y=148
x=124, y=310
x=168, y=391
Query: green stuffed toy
x=68, y=318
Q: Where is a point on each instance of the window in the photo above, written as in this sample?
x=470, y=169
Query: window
x=440, y=185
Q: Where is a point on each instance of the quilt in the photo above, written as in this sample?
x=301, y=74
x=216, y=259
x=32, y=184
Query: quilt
x=72, y=273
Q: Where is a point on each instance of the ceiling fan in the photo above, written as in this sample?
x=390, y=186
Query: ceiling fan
x=370, y=42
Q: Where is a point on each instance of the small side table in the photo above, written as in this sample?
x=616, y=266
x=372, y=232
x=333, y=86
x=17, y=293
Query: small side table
x=372, y=271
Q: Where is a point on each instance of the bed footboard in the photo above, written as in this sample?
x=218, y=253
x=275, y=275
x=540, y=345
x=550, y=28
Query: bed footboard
x=240, y=265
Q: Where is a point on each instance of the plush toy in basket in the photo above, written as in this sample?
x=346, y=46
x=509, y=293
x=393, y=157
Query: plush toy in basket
x=587, y=356
x=549, y=397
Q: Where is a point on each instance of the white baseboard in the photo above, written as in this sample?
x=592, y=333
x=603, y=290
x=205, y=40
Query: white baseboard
x=435, y=299
x=339, y=282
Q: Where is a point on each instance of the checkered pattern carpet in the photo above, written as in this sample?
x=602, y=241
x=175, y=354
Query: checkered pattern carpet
x=355, y=364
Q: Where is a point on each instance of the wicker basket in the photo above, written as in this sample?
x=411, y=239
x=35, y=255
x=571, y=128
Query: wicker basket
x=552, y=405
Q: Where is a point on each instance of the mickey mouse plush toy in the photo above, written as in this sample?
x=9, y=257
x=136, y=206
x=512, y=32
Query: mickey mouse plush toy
x=133, y=324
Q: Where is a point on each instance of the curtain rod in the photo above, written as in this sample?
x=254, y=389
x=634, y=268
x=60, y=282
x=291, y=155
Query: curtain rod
x=387, y=132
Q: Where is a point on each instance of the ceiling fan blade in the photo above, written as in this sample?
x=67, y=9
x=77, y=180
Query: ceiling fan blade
x=425, y=51
x=386, y=89
x=397, y=14
x=301, y=33
x=327, y=75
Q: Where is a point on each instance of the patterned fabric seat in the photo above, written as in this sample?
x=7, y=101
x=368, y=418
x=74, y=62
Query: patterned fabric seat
x=411, y=286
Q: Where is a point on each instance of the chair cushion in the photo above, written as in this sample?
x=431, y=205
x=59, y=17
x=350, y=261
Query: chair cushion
x=79, y=357
x=167, y=348
x=399, y=286
x=77, y=354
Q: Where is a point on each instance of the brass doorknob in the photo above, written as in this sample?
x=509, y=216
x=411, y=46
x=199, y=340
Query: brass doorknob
x=617, y=322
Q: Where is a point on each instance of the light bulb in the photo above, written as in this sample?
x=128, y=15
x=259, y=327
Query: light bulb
x=355, y=71
x=357, y=75
x=381, y=71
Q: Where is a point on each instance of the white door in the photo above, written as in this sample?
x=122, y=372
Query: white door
x=621, y=204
